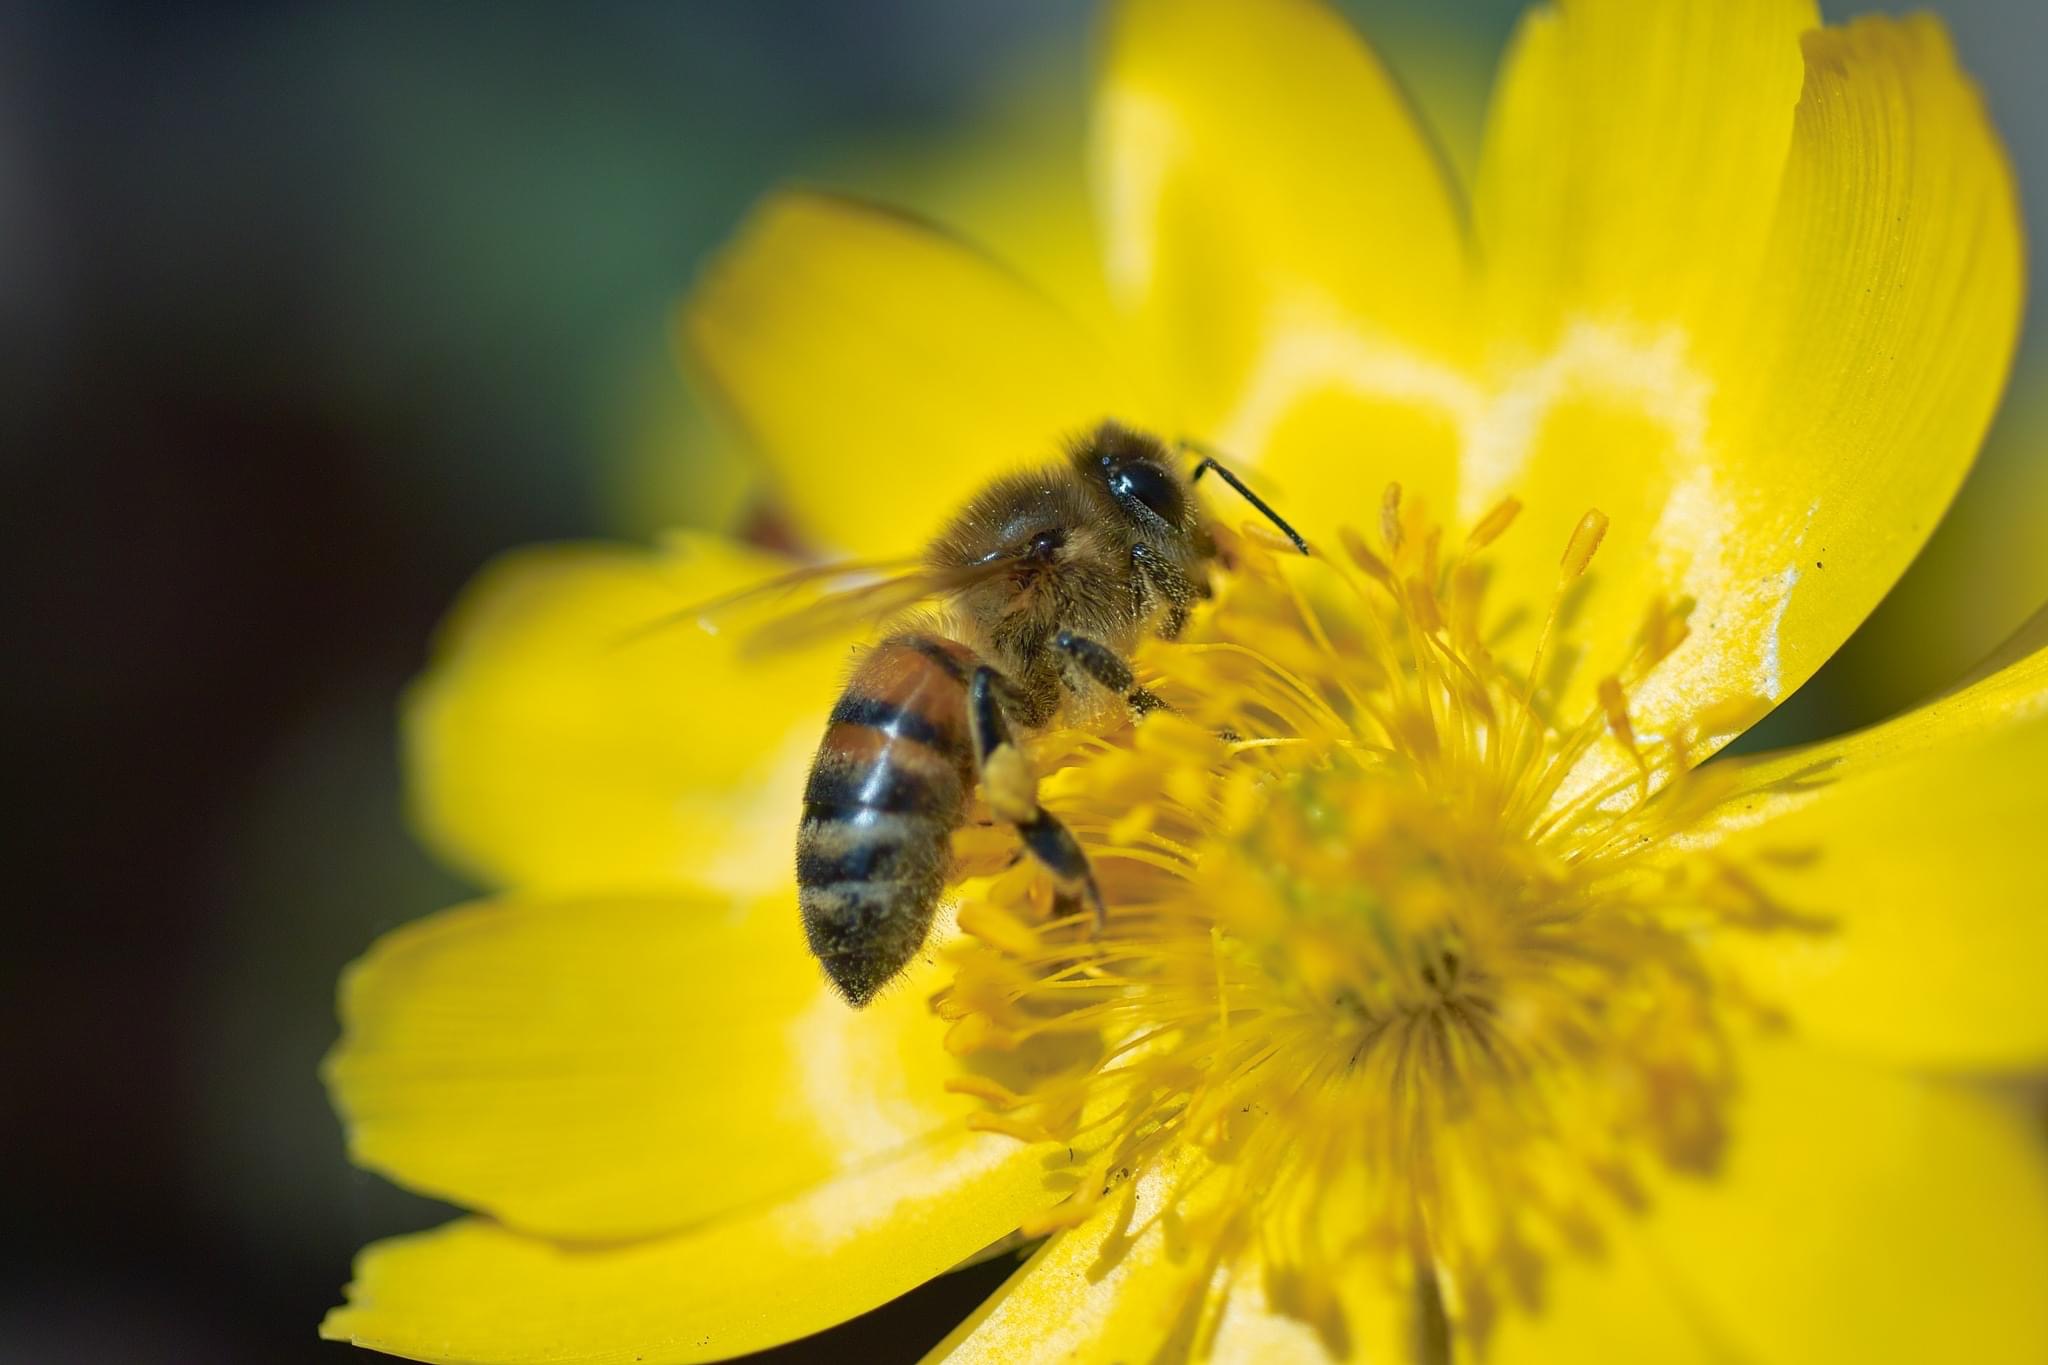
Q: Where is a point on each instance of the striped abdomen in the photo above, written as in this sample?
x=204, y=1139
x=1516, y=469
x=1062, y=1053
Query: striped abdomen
x=887, y=789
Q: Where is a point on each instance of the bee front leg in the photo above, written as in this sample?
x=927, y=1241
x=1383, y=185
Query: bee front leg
x=1101, y=663
x=1012, y=792
x=1163, y=577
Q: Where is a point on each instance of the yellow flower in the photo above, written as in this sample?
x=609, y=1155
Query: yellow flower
x=1448, y=1008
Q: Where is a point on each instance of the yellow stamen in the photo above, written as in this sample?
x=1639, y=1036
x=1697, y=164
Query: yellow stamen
x=1419, y=1013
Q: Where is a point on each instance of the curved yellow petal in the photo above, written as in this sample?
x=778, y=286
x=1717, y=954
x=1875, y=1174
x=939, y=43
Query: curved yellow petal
x=1983, y=570
x=886, y=370
x=1770, y=318
x=568, y=736
x=1919, y=842
x=1863, y=1215
x=2002, y=696
x=475, y=1292
x=1280, y=231
x=1632, y=158
x=605, y=1068
x=1887, y=318
x=1014, y=180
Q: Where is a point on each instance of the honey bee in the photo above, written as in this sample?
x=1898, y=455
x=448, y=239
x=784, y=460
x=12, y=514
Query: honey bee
x=1038, y=591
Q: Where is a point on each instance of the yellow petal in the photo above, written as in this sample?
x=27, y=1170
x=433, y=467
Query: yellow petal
x=557, y=742
x=1889, y=309
x=605, y=1068
x=475, y=1292
x=1981, y=573
x=885, y=370
x=1632, y=158
x=1014, y=181
x=1137, y=1280
x=1864, y=1215
x=1280, y=230
x=1920, y=841
x=1625, y=195
x=1134, y=1283
x=1127, y=1283
x=1769, y=336
x=1086, y=1294
x=1615, y=1305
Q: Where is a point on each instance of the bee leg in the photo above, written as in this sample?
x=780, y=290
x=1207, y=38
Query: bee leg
x=1012, y=792
x=1101, y=663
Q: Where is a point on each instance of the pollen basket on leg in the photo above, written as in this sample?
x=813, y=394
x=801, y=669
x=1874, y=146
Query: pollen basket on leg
x=1432, y=1021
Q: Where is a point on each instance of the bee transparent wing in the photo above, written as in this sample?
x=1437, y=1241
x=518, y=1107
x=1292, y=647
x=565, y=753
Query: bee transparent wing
x=863, y=606
x=836, y=608
x=707, y=615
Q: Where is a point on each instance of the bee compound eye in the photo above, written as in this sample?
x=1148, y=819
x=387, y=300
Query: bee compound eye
x=1150, y=485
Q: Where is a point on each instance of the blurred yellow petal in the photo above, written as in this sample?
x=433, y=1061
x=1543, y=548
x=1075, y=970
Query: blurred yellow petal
x=1863, y=1215
x=885, y=370
x=1013, y=180
x=1778, y=332
x=557, y=742
x=475, y=1292
x=601, y=1069
x=1279, y=229
x=1615, y=1304
x=1920, y=840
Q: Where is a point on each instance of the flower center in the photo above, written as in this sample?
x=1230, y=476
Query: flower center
x=1419, y=1015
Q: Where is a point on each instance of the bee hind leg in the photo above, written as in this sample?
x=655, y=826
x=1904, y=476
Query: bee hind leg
x=1012, y=791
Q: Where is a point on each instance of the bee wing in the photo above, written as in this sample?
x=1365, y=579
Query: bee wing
x=902, y=583
x=865, y=605
x=705, y=614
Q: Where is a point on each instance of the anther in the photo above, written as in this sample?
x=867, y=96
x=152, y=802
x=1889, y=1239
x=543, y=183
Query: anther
x=1492, y=524
x=1390, y=518
x=982, y=1088
x=1664, y=630
x=1731, y=715
x=1578, y=553
x=1615, y=704
x=1586, y=538
x=1361, y=554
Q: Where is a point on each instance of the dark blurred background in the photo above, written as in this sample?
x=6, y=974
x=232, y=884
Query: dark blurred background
x=308, y=310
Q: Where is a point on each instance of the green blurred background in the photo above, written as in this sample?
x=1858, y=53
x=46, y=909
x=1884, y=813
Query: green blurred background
x=307, y=310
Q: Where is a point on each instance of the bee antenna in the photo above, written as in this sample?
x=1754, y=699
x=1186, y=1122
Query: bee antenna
x=1209, y=462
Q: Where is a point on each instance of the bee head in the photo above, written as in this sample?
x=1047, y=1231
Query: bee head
x=1138, y=473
